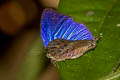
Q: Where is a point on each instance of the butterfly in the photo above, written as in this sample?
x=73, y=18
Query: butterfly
x=64, y=38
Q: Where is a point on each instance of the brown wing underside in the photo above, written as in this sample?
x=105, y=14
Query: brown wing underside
x=61, y=46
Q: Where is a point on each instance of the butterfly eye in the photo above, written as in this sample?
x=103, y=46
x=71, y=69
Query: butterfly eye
x=92, y=42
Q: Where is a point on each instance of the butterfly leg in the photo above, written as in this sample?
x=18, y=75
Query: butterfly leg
x=65, y=62
x=55, y=63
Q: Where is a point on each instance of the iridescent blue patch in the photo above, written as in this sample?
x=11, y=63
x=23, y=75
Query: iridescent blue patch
x=55, y=25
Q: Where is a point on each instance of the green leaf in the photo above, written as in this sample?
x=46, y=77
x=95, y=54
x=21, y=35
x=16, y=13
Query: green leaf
x=100, y=17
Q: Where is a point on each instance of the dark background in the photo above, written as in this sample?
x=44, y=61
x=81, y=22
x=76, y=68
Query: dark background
x=19, y=24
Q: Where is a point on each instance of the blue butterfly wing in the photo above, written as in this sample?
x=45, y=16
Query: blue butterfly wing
x=58, y=26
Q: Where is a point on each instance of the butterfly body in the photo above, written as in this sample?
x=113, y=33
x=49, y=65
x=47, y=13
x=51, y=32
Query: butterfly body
x=60, y=49
x=64, y=38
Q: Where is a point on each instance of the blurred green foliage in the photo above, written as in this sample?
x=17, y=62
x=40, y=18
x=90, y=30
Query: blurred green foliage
x=34, y=62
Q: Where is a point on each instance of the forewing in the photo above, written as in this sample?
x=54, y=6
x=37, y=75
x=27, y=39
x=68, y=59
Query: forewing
x=55, y=25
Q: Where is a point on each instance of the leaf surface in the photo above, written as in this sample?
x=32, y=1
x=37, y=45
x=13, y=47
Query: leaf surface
x=100, y=17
